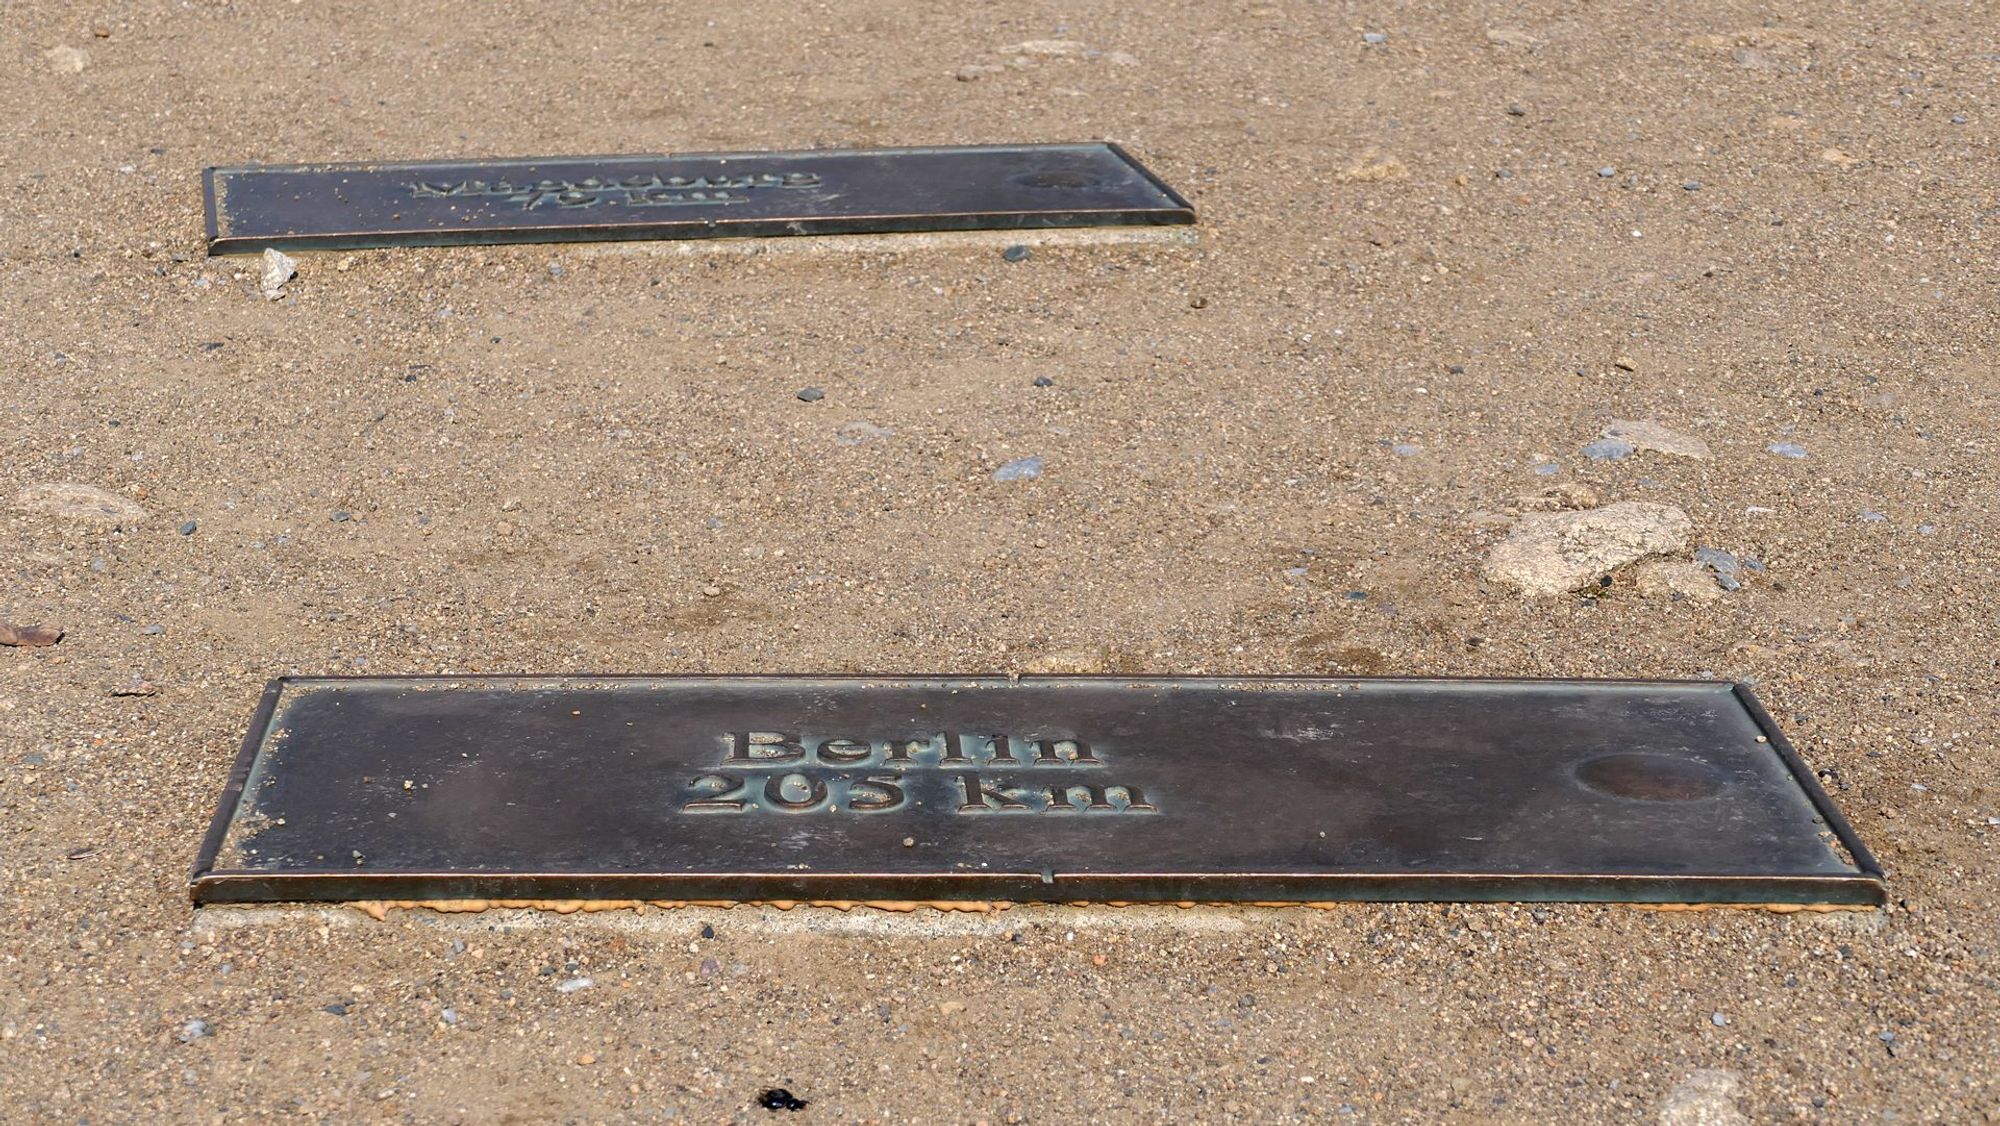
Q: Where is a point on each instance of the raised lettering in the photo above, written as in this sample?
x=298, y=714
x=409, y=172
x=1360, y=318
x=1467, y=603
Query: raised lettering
x=980, y=795
x=887, y=790
x=765, y=746
x=1049, y=751
x=779, y=788
x=1062, y=798
x=725, y=796
x=845, y=751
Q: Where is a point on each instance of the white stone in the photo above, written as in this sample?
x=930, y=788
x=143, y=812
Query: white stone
x=278, y=269
x=1666, y=578
x=74, y=501
x=67, y=60
x=1705, y=1098
x=1551, y=553
x=1649, y=435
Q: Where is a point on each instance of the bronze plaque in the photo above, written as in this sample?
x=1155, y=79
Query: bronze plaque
x=698, y=195
x=1056, y=788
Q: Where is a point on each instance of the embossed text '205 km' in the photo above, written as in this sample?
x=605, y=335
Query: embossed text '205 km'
x=780, y=772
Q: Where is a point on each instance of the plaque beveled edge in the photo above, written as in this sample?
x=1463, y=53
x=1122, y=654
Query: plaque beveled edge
x=1864, y=887
x=216, y=177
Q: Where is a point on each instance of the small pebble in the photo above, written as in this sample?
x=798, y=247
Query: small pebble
x=1355, y=595
x=1020, y=469
x=1725, y=565
x=449, y=1016
x=1927, y=529
x=777, y=1098
x=1870, y=516
x=811, y=395
x=1517, y=110
x=338, y=1009
x=1958, y=119
x=707, y=931
x=1718, y=560
x=1718, y=1019
x=1405, y=449
x=154, y=630
x=1547, y=469
x=1015, y=254
x=574, y=984
x=1787, y=449
x=1691, y=186
x=1044, y=381
x=194, y=1030
x=188, y=528
x=341, y=516
x=1374, y=38
x=278, y=269
x=1607, y=172
x=1608, y=449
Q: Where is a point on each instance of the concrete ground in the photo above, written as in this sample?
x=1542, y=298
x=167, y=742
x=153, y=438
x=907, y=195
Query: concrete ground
x=1431, y=267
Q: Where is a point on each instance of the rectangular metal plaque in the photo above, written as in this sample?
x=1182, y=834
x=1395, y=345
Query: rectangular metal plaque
x=1064, y=789
x=697, y=195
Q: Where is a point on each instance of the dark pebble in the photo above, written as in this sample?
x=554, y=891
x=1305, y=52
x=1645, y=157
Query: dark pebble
x=707, y=931
x=1355, y=595
x=1015, y=254
x=1044, y=381
x=188, y=528
x=777, y=1098
x=337, y=1009
x=811, y=395
x=1691, y=186
x=342, y=516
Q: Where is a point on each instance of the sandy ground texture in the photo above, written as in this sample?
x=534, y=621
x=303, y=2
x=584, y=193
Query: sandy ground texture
x=1442, y=249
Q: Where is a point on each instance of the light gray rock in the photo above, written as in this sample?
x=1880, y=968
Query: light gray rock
x=1672, y=578
x=1646, y=434
x=857, y=432
x=1705, y=1098
x=73, y=501
x=1552, y=553
x=278, y=269
x=1020, y=469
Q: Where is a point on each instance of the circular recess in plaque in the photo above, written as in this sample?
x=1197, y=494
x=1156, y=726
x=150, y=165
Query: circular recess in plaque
x=1650, y=777
x=1070, y=181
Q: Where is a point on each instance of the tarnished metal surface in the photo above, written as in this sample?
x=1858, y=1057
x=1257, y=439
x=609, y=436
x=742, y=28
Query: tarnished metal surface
x=1062, y=788
x=704, y=195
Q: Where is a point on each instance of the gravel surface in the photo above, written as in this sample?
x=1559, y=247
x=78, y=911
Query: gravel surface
x=1441, y=250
